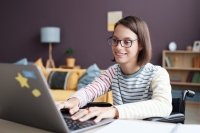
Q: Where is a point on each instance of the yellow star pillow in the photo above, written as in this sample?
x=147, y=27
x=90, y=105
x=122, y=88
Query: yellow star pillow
x=41, y=66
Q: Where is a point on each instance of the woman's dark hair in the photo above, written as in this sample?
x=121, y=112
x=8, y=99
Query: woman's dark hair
x=140, y=28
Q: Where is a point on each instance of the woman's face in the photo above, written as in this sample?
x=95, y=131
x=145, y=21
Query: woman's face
x=125, y=55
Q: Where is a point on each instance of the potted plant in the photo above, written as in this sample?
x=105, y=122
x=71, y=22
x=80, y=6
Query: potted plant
x=70, y=61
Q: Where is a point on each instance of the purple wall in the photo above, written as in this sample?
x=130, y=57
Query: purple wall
x=84, y=27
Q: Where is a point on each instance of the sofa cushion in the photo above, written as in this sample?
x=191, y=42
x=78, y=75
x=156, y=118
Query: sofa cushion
x=23, y=61
x=41, y=66
x=92, y=72
x=72, y=81
x=62, y=80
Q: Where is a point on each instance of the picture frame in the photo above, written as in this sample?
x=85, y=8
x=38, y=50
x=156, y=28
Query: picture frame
x=113, y=17
x=196, y=46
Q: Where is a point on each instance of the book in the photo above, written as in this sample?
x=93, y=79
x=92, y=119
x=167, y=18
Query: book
x=189, y=77
x=199, y=61
x=196, y=62
x=175, y=78
x=194, y=78
x=198, y=78
x=168, y=62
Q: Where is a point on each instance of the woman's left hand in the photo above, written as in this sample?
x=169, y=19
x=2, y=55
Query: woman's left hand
x=100, y=112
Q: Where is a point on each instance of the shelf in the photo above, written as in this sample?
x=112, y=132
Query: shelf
x=67, y=67
x=185, y=83
x=181, y=52
x=182, y=62
x=183, y=68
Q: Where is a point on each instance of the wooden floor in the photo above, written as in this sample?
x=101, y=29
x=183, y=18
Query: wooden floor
x=192, y=113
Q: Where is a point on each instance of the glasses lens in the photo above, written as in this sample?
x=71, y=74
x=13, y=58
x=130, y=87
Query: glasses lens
x=127, y=43
x=123, y=43
x=110, y=41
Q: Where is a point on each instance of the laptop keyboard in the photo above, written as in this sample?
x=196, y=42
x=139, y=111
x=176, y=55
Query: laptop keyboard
x=75, y=125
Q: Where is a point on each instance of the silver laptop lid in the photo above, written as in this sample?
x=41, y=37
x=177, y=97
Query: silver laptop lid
x=25, y=98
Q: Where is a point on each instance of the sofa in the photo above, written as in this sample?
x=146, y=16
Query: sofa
x=63, y=94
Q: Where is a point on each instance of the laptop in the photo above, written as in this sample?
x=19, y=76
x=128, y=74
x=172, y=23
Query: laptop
x=25, y=98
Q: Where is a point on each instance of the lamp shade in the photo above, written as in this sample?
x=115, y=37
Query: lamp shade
x=50, y=35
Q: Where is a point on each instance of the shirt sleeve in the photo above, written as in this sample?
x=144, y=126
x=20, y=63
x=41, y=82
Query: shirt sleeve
x=160, y=104
x=99, y=86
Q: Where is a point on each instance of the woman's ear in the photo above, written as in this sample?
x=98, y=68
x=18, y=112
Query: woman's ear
x=140, y=47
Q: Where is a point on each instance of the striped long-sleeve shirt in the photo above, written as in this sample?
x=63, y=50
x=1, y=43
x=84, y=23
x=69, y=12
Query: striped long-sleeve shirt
x=146, y=93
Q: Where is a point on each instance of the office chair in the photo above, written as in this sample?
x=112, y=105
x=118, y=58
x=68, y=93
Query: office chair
x=178, y=112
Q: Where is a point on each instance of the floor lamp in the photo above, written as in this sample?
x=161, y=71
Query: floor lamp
x=50, y=35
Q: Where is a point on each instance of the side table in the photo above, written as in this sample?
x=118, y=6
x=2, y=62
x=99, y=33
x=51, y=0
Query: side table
x=67, y=67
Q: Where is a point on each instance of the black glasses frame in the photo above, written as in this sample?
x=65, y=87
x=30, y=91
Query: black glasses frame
x=120, y=42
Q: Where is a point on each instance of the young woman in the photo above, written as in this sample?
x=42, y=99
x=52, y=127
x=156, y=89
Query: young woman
x=140, y=89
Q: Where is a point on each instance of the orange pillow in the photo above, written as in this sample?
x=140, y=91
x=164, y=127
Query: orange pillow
x=41, y=66
x=72, y=81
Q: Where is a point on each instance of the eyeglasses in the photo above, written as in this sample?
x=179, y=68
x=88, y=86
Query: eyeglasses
x=124, y=43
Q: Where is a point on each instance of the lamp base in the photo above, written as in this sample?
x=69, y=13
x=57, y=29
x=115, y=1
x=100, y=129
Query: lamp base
x=50, y=63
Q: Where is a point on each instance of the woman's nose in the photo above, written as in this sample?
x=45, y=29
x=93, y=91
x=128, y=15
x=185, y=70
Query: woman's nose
x=119, y=45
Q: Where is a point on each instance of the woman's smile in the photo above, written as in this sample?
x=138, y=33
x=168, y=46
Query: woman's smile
x=120, y=54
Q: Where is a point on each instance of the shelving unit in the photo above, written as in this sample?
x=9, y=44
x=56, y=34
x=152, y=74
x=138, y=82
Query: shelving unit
x=182, y=61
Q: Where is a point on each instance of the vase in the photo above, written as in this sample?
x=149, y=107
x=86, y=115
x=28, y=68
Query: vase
x=70, y=62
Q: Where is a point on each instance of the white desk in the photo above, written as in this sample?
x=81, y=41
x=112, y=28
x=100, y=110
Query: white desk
x=126, y=126
x=12, y=127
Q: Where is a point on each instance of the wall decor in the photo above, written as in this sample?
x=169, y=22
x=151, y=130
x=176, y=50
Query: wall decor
x=189, y=48
x=172, y=46
x=196, y=46
x=113, y=17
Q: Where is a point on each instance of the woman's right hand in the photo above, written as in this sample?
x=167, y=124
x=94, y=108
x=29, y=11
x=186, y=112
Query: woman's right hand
x=71, y=104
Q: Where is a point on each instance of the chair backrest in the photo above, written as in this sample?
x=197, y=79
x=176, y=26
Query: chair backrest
x=179, y=103
x=175, y=104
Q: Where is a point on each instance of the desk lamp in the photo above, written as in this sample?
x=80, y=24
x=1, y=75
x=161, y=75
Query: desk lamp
x=50, y=35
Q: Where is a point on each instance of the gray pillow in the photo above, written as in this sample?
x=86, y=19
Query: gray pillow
x=92, y=72
x=57, y=80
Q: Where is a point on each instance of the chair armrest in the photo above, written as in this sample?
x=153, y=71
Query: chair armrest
x=173, y=118
x=182, y=99
x=97, y=104
x=190, y=93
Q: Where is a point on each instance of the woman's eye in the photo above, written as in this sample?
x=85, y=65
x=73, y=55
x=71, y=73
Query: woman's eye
x=114, y=40
x=127, y=41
